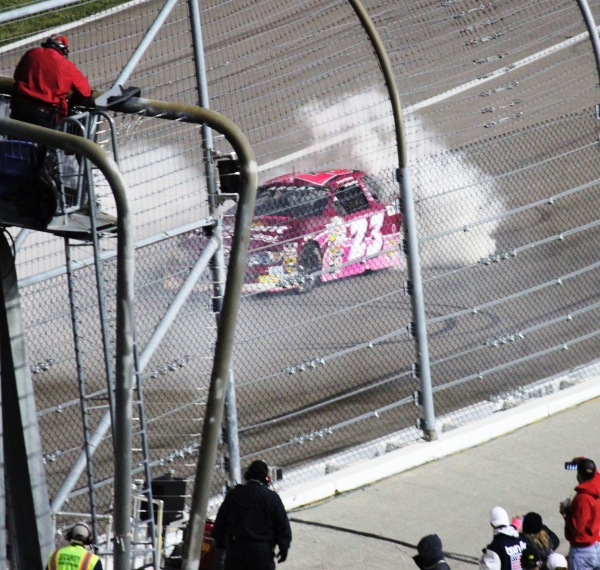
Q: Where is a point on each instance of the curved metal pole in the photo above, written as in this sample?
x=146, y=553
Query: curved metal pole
x=124, y=325
x=592, y=31
x=408, y=222
x=226, y=327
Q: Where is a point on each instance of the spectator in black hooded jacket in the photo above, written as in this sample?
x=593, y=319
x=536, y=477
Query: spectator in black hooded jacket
x=251, y=522
x=430, y=555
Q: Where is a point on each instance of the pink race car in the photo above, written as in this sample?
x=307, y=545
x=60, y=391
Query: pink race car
x=314, y=227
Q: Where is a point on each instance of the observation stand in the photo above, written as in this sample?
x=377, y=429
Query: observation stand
x=52, y=191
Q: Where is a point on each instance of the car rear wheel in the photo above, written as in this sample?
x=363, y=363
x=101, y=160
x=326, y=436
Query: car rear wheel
x=311, y=261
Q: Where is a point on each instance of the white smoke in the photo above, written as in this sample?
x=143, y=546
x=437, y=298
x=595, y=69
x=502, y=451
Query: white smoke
x=450, y=195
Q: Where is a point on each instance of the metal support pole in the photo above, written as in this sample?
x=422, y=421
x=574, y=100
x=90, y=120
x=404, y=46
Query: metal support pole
x=592, y=30
x=23, y=473
x=409, y=224
x=218, y=261
x=115, y=90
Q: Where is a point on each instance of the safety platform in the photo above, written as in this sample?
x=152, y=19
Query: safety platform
x=35, y=192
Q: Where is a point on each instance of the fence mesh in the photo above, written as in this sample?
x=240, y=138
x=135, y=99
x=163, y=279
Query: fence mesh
x=502, y=159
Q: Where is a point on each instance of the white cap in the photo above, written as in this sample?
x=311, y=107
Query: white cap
x=499, y=517
x=556, y=560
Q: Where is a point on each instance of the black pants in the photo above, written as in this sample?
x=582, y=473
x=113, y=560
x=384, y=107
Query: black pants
x=34, y=115
x=249, y=556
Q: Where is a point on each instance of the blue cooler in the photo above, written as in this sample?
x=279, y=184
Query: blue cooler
x=17, y=166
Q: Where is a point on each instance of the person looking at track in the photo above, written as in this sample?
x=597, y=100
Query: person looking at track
x=251, y=522
x=504, y=552
x=44, y=78
x=430, y=554
x=75, y=556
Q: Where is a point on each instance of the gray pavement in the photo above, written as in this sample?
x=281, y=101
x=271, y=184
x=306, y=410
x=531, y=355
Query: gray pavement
x=378, y=526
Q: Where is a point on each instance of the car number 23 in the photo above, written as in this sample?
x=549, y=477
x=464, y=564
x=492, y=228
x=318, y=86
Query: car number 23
x=366, y=236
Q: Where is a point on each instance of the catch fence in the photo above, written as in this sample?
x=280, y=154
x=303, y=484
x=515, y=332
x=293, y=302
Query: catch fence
x=505, y=176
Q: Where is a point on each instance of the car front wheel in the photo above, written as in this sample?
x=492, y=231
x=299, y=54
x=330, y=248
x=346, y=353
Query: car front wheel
x=311, y=261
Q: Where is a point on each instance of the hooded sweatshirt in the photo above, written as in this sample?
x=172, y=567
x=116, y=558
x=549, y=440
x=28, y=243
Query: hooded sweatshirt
x=582, y=516
x=504, y=552
x=252, y=513
x=430, y=555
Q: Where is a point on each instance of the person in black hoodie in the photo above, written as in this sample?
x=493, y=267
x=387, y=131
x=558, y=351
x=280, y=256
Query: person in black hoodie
x=251, y=522
x=430, y=555
x=504, y=552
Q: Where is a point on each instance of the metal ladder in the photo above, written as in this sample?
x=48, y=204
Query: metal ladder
x=83, y=196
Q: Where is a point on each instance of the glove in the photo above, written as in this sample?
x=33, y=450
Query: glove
x=282, y=555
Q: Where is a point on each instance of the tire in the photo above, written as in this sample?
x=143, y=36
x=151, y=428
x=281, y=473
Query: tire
x=310, y=261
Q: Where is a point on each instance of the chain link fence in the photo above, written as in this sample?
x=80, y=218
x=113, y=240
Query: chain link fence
x=505, y=178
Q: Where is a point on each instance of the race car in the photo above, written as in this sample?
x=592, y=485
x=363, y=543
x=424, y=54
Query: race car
x=314, y=227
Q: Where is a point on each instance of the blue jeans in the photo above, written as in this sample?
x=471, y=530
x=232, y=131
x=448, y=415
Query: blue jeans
x=585, y=558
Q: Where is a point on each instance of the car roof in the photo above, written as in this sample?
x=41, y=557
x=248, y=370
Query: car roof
x=323, y=178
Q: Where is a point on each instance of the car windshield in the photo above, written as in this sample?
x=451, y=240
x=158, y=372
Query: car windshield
x=350, y=199
x=290, y=201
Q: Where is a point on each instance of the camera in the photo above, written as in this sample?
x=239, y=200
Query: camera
x=570, y=466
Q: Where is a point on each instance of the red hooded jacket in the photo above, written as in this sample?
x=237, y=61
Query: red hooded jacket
x=582, y=516
x=46, y=75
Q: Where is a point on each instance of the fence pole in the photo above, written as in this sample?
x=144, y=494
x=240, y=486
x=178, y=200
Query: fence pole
x=218, y=260
x=592, y=30
x=427, y=423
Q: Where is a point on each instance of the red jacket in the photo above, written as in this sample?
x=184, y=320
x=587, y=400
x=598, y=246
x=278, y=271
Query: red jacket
x=44, y=74
x=582, y=517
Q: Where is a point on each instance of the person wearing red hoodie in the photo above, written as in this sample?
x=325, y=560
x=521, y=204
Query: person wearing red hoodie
x=582, y=518
x=44, y=78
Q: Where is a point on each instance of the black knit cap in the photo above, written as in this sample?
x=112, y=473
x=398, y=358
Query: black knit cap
x=258, y=470
x=532, y=523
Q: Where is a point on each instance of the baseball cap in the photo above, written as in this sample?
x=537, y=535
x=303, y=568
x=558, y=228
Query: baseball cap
x=499, y=517
x=61, y=39
x=556, y=560
x=586, y=467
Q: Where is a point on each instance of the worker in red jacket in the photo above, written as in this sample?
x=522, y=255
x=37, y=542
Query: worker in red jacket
x=44, y=77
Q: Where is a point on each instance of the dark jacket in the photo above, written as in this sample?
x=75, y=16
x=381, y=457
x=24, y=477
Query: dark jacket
x=543, y=543
x=582, y=516
x=252, y=513
x=430, y=555
x=504, y=552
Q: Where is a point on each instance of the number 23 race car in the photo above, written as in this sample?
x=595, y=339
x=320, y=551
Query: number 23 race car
x=310, y=228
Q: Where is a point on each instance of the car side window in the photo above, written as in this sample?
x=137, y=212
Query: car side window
x=350, y=199
x=291, y=202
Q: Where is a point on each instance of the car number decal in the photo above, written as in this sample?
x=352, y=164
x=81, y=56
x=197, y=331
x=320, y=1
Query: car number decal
x=358, y=231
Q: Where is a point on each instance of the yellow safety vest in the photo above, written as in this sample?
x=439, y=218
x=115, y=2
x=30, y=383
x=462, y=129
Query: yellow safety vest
x=72, y=557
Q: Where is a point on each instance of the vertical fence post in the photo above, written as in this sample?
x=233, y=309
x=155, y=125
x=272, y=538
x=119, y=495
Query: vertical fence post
x=218, y=260
x=427, y=423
